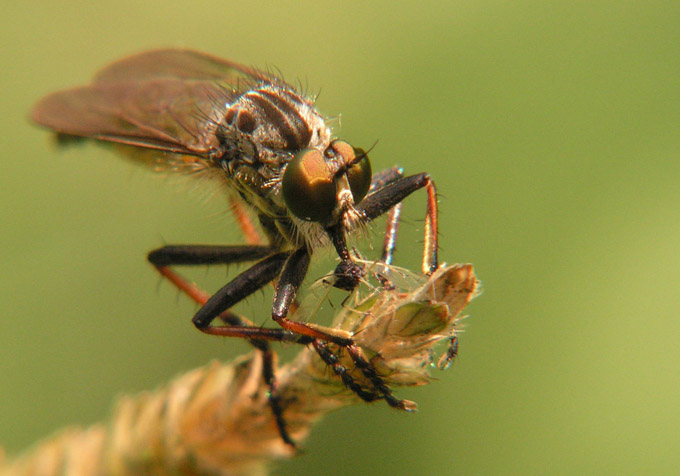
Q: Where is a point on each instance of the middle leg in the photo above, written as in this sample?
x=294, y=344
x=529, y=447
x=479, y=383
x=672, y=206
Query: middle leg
x=289, y=282
x=238, y=326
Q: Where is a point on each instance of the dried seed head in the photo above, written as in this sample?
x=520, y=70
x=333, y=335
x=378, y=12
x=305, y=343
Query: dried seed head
x=217, y=419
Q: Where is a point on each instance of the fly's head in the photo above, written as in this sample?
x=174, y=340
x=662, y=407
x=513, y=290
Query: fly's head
x=323, y=187
x=291, y=169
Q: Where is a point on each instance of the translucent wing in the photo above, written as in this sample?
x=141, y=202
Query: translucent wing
x=169, y=100
x=176, y=64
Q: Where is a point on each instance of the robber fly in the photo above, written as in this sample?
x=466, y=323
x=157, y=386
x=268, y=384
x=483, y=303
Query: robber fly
x=270, y=147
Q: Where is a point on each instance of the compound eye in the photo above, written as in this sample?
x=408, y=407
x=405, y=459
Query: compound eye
x=308, y=187
x=359, y=175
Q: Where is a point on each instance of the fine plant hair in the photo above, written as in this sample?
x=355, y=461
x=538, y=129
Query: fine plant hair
x=217, y=420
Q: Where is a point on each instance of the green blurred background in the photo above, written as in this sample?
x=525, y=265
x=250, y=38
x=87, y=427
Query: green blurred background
x=552, y=130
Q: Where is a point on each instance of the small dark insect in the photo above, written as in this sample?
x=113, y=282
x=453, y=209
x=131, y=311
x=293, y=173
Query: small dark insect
x=273, y=151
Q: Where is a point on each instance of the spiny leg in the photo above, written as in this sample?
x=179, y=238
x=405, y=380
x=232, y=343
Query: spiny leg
x=295, y=268
x=163, y=258
x=397, y=190
x=385, y=178
x=249, y=230
x=238, y=289
x=252, y=237
x=382, y=200
x=388, y=190
x=341, y=371
x=380, y=180
x=268, y=373
x=349, y=274
x=289, y=282
x=292, y=274
x=241, y=327
x=218, y=305
x=290, y=279
x=376, y=380
x=174, y=255
x=166, y=255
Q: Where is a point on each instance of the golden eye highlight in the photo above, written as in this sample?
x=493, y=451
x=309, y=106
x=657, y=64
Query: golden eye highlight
x=308, y=187
x=359, y=175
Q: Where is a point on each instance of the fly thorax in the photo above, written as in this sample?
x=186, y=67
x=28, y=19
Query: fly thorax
x=261, y=132
x=277, y=122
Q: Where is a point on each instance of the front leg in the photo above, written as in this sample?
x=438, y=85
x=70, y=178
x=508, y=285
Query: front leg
x=387, y=194
x=289, y=282
x=383, y=199
x=381, y=180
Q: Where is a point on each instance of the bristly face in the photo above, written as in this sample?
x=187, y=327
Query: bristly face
x=282, y=158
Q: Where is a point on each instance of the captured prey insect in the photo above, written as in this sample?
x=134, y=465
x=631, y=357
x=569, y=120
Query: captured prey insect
x=273, y=151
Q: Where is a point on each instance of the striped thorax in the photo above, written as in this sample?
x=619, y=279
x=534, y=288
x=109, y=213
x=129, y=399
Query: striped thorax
x=280, y=156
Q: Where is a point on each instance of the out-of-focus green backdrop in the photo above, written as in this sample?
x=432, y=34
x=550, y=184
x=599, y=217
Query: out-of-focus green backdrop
x=552, y=129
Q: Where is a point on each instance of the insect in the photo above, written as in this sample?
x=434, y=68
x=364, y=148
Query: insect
x=273, y=151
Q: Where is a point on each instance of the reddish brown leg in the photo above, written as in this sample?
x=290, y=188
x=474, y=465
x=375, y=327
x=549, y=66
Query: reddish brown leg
x=249, y=231
x=237, y=326
x=391, y=228
x=290, y=279
x=383, y=199
x=381, y=180
x=430, y=253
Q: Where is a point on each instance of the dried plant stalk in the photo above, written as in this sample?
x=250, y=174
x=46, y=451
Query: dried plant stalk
x=217, y=420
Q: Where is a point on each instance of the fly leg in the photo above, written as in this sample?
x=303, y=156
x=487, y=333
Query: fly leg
x=196, y=255
x=244, y=223
x=430, y=254
x=289, y=282
x=383, y=199
x=388, y=189
x=396, y=190
x=379, y=181
x=239, y=326
x=387, y=193
x=253, y=237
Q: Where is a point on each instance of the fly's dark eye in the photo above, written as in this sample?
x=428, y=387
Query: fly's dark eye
x=359, y=175
x=308, y=186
